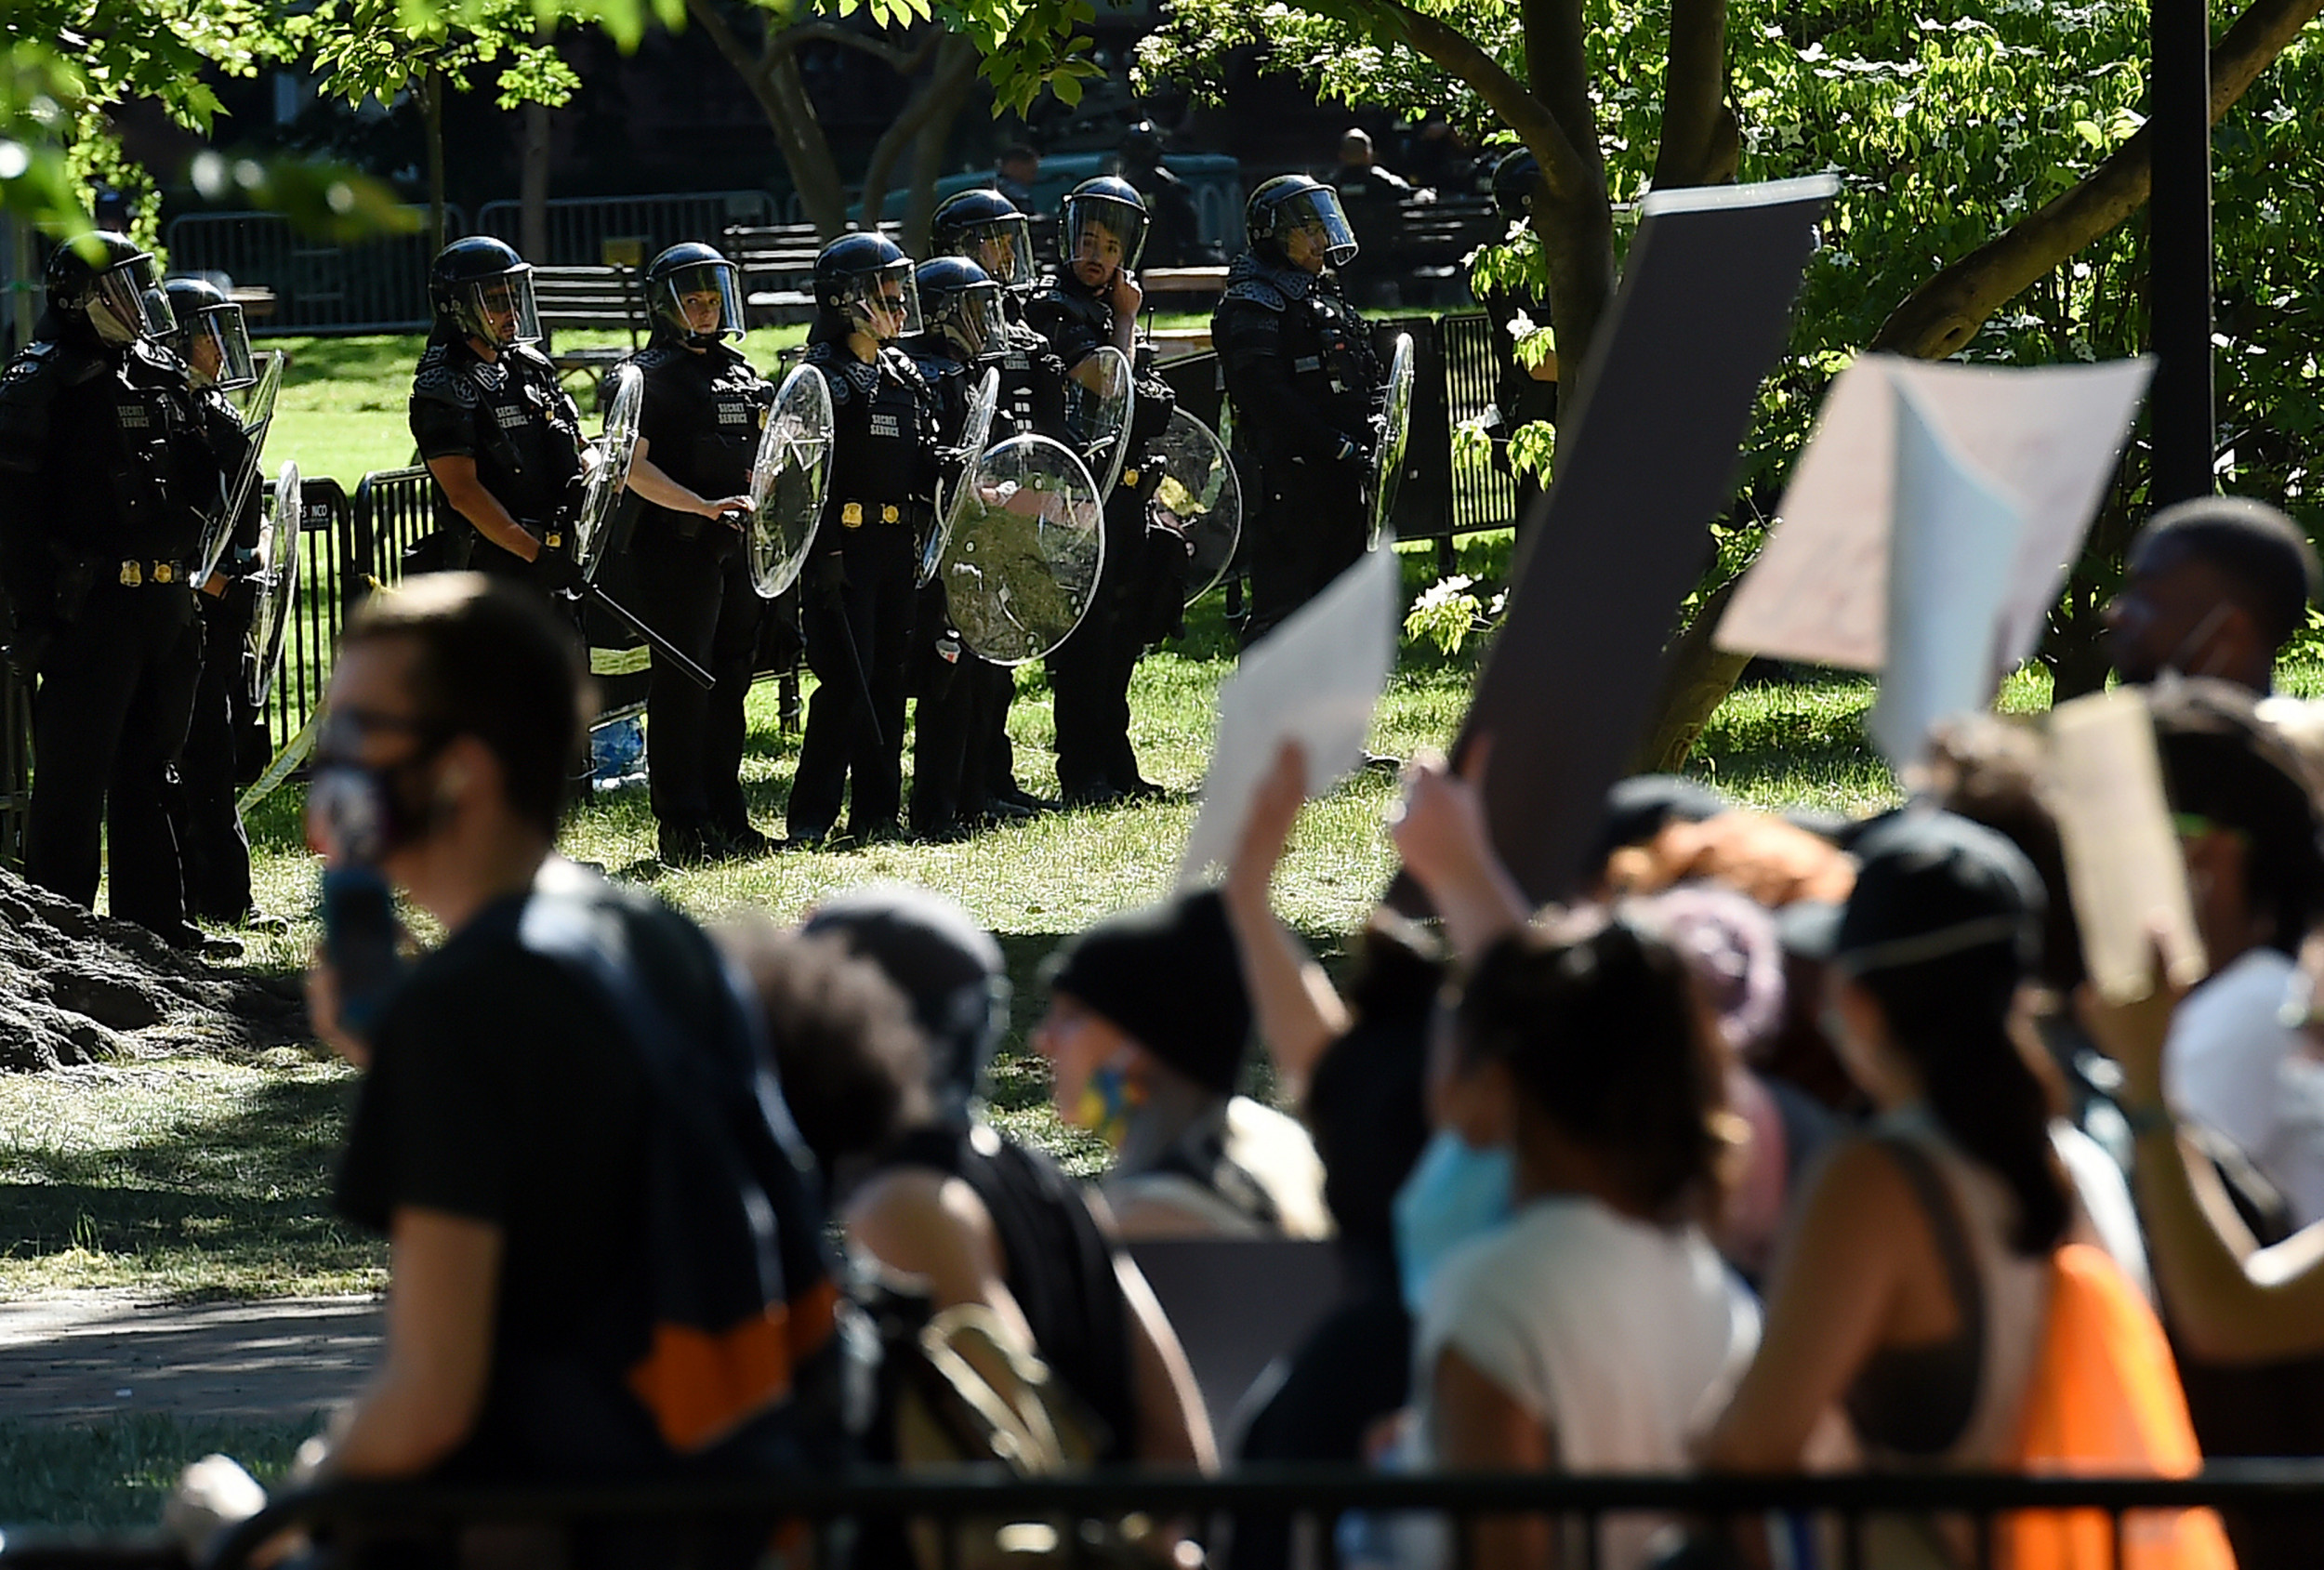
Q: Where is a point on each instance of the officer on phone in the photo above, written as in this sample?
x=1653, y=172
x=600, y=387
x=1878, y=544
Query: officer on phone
x=697, y=437
x=105, y=482
x=1305, y=383
x=494, y=429
x=1093, y=303
x=214, y=852
x=858, y=587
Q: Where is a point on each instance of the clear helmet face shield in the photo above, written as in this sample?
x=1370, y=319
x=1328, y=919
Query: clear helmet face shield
x=885, y=304
x=127, y=303
x=1003, y=247
x=704, y=301
x=216, y=347
x=974, y=320
x=1312, y=224
x=1103, y=236
x=499, y=310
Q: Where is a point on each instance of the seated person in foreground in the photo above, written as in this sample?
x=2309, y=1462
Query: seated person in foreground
x=1597, y=1329
x=1146, y=1030
x=937, y=1194
x=546, y=1094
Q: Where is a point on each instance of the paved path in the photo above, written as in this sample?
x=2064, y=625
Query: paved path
x=81, y=1355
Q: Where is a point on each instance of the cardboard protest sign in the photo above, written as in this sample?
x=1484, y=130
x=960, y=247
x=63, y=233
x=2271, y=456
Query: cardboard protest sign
x=1929, y=525
x=2123, y=863
x=1314, y=680
x=1645, y=461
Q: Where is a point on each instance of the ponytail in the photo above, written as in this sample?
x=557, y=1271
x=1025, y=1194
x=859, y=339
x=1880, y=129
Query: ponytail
x=1952, y=1018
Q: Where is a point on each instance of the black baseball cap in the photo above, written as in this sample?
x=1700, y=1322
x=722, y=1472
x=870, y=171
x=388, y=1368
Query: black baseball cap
x=1930, y=884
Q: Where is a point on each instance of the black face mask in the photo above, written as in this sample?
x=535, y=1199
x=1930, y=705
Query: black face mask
x=361, y=814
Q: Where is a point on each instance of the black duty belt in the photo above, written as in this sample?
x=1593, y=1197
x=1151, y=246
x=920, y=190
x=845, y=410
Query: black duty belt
x=133, y=575
x=854, y=515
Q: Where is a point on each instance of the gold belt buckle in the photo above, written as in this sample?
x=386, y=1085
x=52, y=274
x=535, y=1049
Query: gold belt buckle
x=165, y=573
x=132, y=574
x=889, y=514
x=1130, y=477
x=852, y=515
x=554, y=541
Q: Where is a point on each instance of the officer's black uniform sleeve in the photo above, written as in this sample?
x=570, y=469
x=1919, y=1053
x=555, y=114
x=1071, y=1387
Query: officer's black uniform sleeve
x=27, y=394
x=443, y=415
x=1249, y=341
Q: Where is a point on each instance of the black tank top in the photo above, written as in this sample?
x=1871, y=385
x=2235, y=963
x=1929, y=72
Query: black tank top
x=1058, y=1266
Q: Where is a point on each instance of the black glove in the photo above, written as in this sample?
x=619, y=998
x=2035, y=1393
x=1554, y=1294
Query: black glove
x=238, y=602
x=558, y=573
x=1354, y=454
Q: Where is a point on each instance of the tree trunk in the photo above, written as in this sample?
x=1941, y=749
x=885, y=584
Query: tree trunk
x=772, y=75
x=432, y=112
x=1698, y=679
x=1943, y=315
x=956, y=73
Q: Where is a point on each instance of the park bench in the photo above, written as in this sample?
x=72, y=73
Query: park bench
x=611, y=298
x=777, y=264
x=1186, y=288
x=1432, y=242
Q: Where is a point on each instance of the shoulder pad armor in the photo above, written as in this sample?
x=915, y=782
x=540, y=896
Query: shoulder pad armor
x=439, y=380
x=1255, y=291
x=533, y=359
x=655, y=357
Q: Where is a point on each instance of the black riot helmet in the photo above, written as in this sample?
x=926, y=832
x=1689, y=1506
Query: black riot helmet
x=947, y=967
x=1140, y=146
x=1294, y=204
x=109, y=282
x=692, y=275
x=1105, y=225
x=209, y=335
x=986, y=227
x=961, y=305
x=1514, y=178
x=864, y=283
x=482, y=287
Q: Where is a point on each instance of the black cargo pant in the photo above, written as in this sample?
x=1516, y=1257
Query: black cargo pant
x=1090, y=672
x=214, y=851
x=1313, y=528
x=115, y=697
x=697, y=593
x=856, y=612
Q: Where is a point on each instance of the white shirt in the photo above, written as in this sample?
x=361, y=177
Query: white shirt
x=2231, y=1064
x=1623, y=1339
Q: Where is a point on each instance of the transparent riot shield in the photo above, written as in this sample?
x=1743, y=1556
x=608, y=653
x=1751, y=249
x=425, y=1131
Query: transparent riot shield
x=1394, y=425
x=257, y=417
x=278, y=583
x=1026, y=547
x=593, y=523
x=976, y=429
x=1098, y=396
x=790, y=481
x=1199, y=499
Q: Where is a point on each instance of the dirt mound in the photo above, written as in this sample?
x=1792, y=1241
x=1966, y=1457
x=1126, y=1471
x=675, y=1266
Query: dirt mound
x=78, y=988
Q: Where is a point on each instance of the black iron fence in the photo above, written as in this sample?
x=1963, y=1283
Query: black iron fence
x=306, y=285
x=680, y=1520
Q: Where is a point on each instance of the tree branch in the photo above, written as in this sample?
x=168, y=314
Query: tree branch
x=1693, y=95
x=1563, y=167
x=940, y=90
x=773, y=78
x=1557, y=68
x=1943, y=315
x=903, y=62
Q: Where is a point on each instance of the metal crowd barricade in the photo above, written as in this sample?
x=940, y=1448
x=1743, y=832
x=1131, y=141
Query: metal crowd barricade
x=318, y=613
x=581, y=228
x=682, y=1519
x=375, y=285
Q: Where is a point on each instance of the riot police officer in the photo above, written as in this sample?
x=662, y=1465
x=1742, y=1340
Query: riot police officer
x=214, y=852
x=857, y=588
x=1093, y=303
x=697, y=436
x=494, y=429
x=1305, y=383
x=107, y=482
x=986, y=227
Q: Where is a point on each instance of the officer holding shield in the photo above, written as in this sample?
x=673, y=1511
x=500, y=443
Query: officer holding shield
x=857, y=589
x=214, y=852
x=1093, y=304
x=105, y=482
x=697, y=435
x=985, y=228
x=1305, y=383
x=492, y=426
